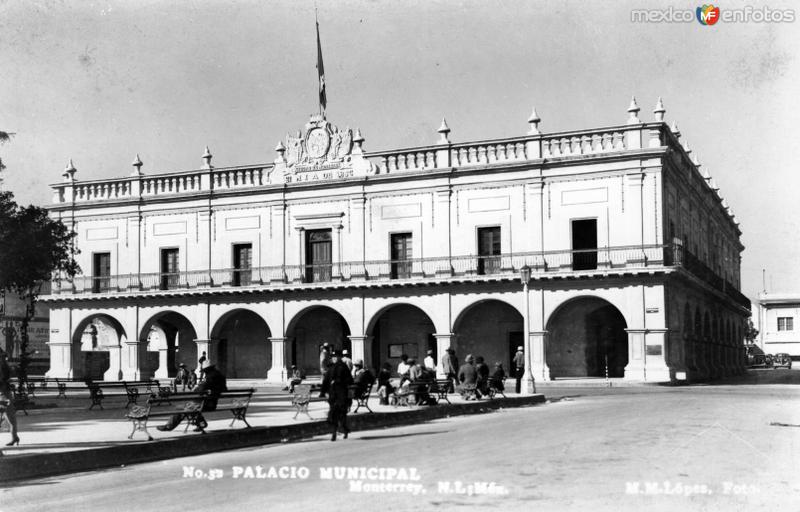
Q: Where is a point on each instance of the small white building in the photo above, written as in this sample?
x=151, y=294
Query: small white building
x=778, y=317
x=632, y=256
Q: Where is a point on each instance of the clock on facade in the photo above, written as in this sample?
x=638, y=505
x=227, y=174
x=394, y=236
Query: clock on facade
x=317, y=142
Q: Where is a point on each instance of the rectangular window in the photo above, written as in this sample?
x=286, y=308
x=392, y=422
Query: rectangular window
x=169, y=269
x=785, y=323
x=401, y=255
x=242, y=264
x=318, y=255
x=584, y=244
x=101, y=272
x=489, y=250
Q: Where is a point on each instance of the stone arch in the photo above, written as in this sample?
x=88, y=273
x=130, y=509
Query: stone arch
x=167, y=339
x=707, y=326
x=489, y=328
x=397, y=329
x=96, y=347
x=309, y=329
x=242, y=344
x=583, y=333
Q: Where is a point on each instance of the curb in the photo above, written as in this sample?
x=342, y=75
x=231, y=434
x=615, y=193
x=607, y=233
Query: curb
x=39, y=465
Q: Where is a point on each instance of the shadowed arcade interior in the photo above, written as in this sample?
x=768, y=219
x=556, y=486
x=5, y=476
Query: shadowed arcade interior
x=583, y=335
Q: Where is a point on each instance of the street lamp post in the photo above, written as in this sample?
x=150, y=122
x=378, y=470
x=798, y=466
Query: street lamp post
x=528, y=383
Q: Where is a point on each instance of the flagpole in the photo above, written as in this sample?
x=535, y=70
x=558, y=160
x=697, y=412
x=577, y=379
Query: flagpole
x=323, y=100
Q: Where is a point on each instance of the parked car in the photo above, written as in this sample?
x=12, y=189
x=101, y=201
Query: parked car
x=756, y=358
x=782, y=360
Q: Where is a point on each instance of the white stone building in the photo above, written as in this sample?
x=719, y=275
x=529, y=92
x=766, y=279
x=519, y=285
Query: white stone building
x=633, y=258
x=778, y=316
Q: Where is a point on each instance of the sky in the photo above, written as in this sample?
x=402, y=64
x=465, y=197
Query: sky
x=99, y=82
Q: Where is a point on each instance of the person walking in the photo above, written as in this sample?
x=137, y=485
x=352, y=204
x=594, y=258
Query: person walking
x=519, y=367
x=450, y=368
x=181, y=378
x=7, y=398
x=336, y=386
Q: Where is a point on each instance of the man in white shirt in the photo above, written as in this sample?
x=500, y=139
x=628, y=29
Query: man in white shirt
x=402, y=366
x=429, y=363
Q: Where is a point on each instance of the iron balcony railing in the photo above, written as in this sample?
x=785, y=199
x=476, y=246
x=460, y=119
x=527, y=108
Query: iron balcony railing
x=414, y=269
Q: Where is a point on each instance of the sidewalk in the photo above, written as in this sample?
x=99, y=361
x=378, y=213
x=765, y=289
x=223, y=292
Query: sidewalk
x=61, y=435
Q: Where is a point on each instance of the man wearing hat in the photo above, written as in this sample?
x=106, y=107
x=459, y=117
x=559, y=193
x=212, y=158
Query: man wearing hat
x=181, y=378
x=324, y=358
x=519, y=367
x=362, y=377
x=336, y=385
x=346, y=360
x=214, y=383
x=429, y=363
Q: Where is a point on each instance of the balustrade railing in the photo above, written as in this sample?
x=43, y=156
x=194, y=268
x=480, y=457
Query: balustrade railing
x=508, y=150
x=497, y=266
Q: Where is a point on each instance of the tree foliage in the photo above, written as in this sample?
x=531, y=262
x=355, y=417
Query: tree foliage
x=33, y=246
x=750, y=332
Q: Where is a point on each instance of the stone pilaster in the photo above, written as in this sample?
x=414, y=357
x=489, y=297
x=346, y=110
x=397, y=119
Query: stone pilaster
x=131, y=366
x=538, y=356
x=277, y=373
x=362, y=349
x=636, y=354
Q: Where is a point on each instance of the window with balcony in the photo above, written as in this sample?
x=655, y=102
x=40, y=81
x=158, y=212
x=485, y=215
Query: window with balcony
x=488, y=250
x=169, y=269
x=584, y=244
x=101, y=271
x=318, y=255
x=242, y=264
x=785, y=323
x=401, y=255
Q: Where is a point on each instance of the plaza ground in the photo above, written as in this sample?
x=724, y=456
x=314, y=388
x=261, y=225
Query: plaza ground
x=729, y=446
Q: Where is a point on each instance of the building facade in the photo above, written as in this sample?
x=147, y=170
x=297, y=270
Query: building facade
x=632, y=257
x=778, y=314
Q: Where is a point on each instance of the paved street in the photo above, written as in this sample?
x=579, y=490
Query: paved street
x=729, y=447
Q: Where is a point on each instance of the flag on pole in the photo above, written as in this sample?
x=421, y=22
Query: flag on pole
x=323, y=100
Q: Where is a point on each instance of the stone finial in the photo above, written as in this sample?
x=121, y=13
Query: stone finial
x=713, y=184
x=534, y=122
x=633, y=111
x=137, y=166
x=444, y=130
x=207, y=157
x=686, y=148
x=69, y=171
x=358, y=141
x=706, y=175
x=659, y=111
x=725, y=204
x=695, y=160
x=281, y=149
x=675, y=130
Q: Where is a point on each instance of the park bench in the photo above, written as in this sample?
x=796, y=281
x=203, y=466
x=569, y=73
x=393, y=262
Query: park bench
x=495, y=386
x=439, y=390
x=190, y=405
x=361, y=396
x=44, y=383
x=130, y=387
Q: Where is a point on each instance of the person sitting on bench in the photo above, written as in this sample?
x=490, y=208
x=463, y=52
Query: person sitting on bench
x=214, y=384
x=363, y=377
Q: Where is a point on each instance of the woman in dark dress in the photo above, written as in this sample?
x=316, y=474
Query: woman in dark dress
x=7, y=399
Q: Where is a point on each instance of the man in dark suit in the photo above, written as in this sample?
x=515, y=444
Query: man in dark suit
x=336, y=385
x=212, y=386
x=519, y=367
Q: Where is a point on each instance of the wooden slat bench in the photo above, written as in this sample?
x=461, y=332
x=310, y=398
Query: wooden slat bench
x=190, y=405
x=131, y=388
